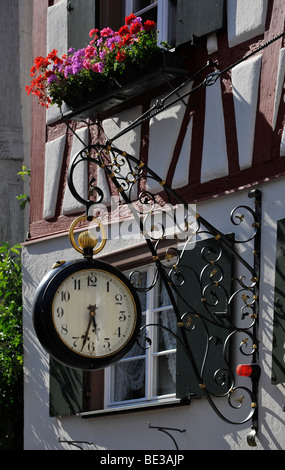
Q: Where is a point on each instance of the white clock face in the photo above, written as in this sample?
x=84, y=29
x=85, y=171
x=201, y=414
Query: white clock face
x=94, y=313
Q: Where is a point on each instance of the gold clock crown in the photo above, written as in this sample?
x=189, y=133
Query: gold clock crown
x=87, y=240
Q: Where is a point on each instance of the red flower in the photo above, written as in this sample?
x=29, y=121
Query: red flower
x=149, y=25
x=127, y=40
x=53, y=55
x=136, y=27
x=37, y=88
x=123, y=30
x=129, y=19
x=41, y=62
x=121, y=56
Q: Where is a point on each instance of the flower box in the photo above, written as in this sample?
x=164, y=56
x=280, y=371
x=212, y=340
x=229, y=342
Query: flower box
x=113, y=68
x=135, y=81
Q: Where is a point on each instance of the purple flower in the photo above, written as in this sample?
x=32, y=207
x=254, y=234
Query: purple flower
x=52, y=78
x=68, y=71
x=76, y=67
x=102, y=54
x=57, y=67
x=101, y=66
x=112, y=40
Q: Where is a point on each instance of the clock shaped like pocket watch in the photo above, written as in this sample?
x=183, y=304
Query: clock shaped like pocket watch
x=86, y=313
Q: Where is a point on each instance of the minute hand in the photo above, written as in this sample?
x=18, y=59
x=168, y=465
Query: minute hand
x=86, y=334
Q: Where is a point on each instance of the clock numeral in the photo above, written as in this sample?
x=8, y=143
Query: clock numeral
x=60, y=312
x=118, y=298
x=122, y=317
x=65, y=296
x=76, y=284
x=91, y=281
x=75, y=345
x=64, y=329
x=91, y=347
x=118, y=332
x=107, y=343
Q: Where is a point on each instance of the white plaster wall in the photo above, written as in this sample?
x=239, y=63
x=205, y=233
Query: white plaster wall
x=181, y=174
x=80, y=174
x=245, y=84
x=53, y=162
x=204, y=430
x=129, y=142
x=214, y=156
x=163, y=133
x=279, y=85
x=245, y=19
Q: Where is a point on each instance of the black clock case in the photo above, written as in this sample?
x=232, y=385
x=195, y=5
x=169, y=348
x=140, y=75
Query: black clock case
x=43, y=322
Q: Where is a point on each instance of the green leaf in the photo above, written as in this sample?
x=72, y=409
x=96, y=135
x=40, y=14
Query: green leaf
x=11, y=347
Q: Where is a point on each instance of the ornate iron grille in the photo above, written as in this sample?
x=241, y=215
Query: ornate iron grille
x=234, y=310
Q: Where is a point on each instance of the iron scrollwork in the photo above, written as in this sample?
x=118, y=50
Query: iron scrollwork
x=157, y=208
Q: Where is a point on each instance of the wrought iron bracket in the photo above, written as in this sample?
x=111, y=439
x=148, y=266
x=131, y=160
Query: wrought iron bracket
x=131, y=178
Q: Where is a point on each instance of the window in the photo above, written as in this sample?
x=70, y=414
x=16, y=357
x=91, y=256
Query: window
x=109, y=13
x=147, y=374
x=180, y=21
x=162, y=12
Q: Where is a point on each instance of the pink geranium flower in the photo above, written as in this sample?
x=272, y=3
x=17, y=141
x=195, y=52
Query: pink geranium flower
x=106, y=32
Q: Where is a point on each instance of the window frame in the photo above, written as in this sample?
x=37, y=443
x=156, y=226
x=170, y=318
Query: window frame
x=163, y=16
x=151, y=354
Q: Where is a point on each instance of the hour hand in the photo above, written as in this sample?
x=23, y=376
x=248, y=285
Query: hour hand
x=92, y=309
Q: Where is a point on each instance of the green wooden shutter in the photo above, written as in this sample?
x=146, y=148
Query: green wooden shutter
x=207, y=269
x=278, y=346
x=66, y=390
x=81, y=18
x=198, y=18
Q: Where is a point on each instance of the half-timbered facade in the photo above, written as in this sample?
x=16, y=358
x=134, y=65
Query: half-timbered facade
x=223, y=136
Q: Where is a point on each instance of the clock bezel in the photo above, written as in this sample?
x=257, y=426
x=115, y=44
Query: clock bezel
x=44, y=323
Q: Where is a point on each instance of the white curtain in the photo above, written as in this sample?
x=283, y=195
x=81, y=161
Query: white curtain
x=129, y=376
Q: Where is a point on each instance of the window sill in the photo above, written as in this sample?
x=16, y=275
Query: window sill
x=133, y=408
